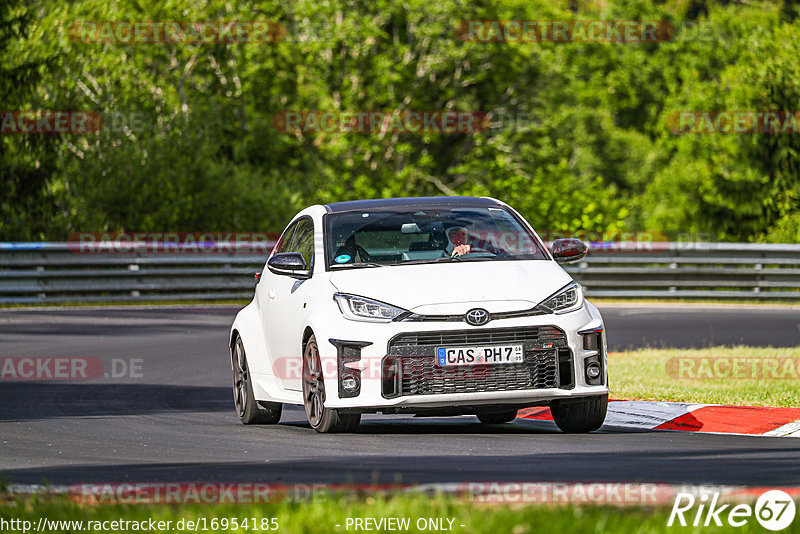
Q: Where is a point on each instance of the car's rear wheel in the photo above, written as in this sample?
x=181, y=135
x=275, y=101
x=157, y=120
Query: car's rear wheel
x=496, y=418
x=580, y=415
x=320, y=418
x=247, y=408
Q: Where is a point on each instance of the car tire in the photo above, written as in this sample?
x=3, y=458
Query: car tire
x=497, y=418
x=249, y=410
x=320, y=418
x=580, y=416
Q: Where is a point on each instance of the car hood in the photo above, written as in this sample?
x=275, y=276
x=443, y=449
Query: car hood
x=447, y=287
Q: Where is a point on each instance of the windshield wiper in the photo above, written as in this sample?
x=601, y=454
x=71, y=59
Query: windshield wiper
x=476, y=258
x=355, y=265
x=433, y=260
x=447, y=259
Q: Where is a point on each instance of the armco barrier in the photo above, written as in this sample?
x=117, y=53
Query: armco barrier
x=59, y=272
x=56, y=272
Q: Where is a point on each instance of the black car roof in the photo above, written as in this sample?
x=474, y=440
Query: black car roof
x=358, y=205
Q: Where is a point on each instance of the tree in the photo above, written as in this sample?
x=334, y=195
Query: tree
x=27, y=162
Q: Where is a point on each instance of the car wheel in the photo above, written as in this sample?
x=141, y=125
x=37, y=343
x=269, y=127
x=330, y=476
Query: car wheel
x=320, y=418
x=247, y=408
x=497, y=418
x=577, y=416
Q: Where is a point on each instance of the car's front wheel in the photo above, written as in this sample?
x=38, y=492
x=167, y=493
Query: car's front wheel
x=247, y=408
x=320, y=418
x=580, y=415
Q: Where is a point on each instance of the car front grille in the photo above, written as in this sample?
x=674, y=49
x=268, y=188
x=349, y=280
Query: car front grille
x=410, y=368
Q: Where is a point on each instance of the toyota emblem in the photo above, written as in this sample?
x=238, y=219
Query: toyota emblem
x=477, y=317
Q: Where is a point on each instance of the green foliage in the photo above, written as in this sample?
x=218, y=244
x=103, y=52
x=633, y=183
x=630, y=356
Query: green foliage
x=26, y=162
x=652, y=374
x=735, y=186
x=578, y=139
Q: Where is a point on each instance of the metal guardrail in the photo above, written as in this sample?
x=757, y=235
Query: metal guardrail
x=59, y=272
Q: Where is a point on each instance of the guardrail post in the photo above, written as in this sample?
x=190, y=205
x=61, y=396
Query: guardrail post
x=134, y=267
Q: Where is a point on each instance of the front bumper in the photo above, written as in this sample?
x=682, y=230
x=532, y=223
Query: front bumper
x=361, y=350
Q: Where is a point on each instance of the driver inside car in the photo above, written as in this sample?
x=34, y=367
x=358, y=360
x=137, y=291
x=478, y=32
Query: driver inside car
x=458, y=236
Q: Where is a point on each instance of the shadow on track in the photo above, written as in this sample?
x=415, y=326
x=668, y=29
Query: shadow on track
x=44, y=400
x=93, y=330
x=375, y=427
x=770, y=464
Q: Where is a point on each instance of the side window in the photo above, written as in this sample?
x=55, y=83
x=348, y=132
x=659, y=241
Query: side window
x=303, y=241
x=284, y=240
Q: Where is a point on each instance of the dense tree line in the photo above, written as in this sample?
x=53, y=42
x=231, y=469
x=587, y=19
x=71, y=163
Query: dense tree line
x=579, y=136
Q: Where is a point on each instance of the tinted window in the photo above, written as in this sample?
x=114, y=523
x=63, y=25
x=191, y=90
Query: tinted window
x=302, y=241
x=284, y=239
x=428, y=234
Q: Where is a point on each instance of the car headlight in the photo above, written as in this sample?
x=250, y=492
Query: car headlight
x=565, y=300
x=358, y=308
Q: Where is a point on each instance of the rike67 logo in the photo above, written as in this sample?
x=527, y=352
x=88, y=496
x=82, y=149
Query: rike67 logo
x=774, y=510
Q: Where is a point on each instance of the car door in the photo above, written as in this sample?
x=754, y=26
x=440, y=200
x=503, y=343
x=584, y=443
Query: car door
x=281, y=301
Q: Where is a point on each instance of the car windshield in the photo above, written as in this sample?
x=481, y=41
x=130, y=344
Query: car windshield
x=427, y=235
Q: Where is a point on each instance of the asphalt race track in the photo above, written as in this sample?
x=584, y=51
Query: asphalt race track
x=175, y=422
x=634, y=326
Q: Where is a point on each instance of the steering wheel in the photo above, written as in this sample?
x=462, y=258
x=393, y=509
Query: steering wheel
x=482, y=246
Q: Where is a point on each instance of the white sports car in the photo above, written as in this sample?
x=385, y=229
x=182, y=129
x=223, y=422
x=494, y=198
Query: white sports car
x=430, y=306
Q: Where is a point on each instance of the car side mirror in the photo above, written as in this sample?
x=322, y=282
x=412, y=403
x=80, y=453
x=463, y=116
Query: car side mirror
x=288, y=263
x=569, y=250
